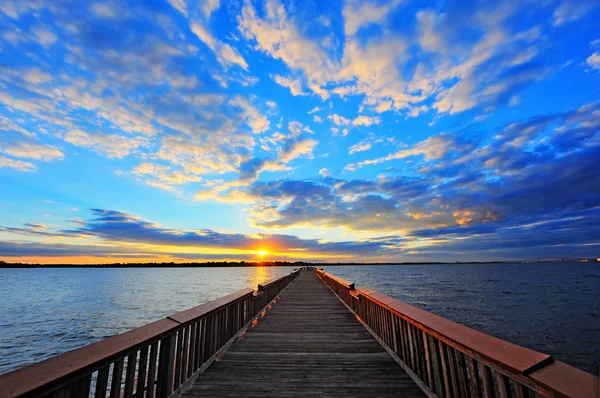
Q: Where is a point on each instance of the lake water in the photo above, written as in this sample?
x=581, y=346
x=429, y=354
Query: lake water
x=553, y=308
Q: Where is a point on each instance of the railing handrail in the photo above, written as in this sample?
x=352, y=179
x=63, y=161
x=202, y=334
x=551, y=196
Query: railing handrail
x=495, y=351
x=71, y=365
x=528, y=366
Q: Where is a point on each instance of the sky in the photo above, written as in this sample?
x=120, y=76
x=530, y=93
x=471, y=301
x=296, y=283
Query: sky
x=402, y=130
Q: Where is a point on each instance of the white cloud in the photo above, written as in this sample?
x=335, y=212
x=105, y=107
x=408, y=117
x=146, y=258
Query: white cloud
x=36, y=76
x=113, y=145
x=317, y=119
x=571, y=10
x=434, y=147
x=204, y=35
x=315, y=109
x=103, y=10
x=44, y=36
x=210, y=6
x=417, y=110
x=32, y=151
x=226, y=55
x=324, y=172
x=366, y=121
x=180, y=5
x=294, y=85
x=17, y=165
x=297, y=149
x=338, y=120
x=360, y=147
x=359, y=13
x=278, y=36
x=257, y=122
x=594, y=60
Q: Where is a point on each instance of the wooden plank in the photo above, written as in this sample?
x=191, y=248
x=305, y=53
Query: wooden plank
x=208, y=308
x=489, y=349
x=462, y=373
x=166, y=367
x=178, y=358
x=445, y=369
x=503, y=385
x=81, y=389
x=142, y=373
x=473, y=377
x=437, y=377
x=308, y=343
x=453, y=372
x=561, y=379
x=130, y=375
x=117, y=377
x=487, y=381
x=102, y=383
x=150, y=389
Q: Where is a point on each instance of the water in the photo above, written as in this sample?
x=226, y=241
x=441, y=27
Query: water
x=553, y=308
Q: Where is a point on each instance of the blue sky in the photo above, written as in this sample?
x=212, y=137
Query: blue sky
x=303, y=130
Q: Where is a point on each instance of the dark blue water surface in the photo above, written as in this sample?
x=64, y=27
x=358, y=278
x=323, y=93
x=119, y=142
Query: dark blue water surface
x=554, y=308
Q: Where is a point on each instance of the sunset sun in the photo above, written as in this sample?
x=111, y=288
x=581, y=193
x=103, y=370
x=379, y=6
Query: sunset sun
x=262, y=253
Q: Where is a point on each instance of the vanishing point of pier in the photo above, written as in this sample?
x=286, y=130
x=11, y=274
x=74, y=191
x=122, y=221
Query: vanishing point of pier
x=305, y=334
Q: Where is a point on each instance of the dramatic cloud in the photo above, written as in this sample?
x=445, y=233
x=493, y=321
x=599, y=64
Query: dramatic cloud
x=413, y=131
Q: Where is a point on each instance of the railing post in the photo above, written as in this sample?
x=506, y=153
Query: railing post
x=165, y=367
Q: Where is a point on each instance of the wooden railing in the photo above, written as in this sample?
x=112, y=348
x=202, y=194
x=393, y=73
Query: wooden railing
x=447, y=359
x=155, y=360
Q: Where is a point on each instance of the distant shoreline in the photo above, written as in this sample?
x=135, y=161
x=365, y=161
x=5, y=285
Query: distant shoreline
x=227, y=264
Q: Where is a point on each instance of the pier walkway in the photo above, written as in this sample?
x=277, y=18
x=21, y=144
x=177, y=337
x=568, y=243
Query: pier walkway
x=308, y=333
x=308, y=344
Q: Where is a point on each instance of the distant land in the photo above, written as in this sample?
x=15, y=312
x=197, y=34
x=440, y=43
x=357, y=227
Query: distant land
x=209, y=264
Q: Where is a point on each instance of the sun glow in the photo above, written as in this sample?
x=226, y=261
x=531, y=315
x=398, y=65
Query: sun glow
x=262, y=253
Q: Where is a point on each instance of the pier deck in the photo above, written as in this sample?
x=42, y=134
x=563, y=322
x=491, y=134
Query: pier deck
x=309, y=343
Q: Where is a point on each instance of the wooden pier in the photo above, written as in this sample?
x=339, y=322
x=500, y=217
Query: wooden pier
x=308, y=343
x=308, y=333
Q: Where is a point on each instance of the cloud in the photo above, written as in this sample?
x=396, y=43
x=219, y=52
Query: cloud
x=571, y=10
x=122, y=233
x=295, y=86
x=297, y=148
x=257, y=122
x=434, y=147
x=594, y=60
x=317, y=119
x=366, y=121
x=358, y=14
x=360, y=147
x=226, y=55
x=179, y=5
x=278, y=36
x=17, y=164
x=338, y=120
x=32, y=151
x=112, y=145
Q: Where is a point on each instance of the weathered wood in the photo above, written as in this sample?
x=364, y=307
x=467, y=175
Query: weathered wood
x=102, y=383
x=31, y=379
x=142, y=370
x=493, y=351
x=165, y=367
x=152, y=370
x=503, y=385
x=308, y=343
x=564, y=380
x=130, y=375
x=117, y=377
